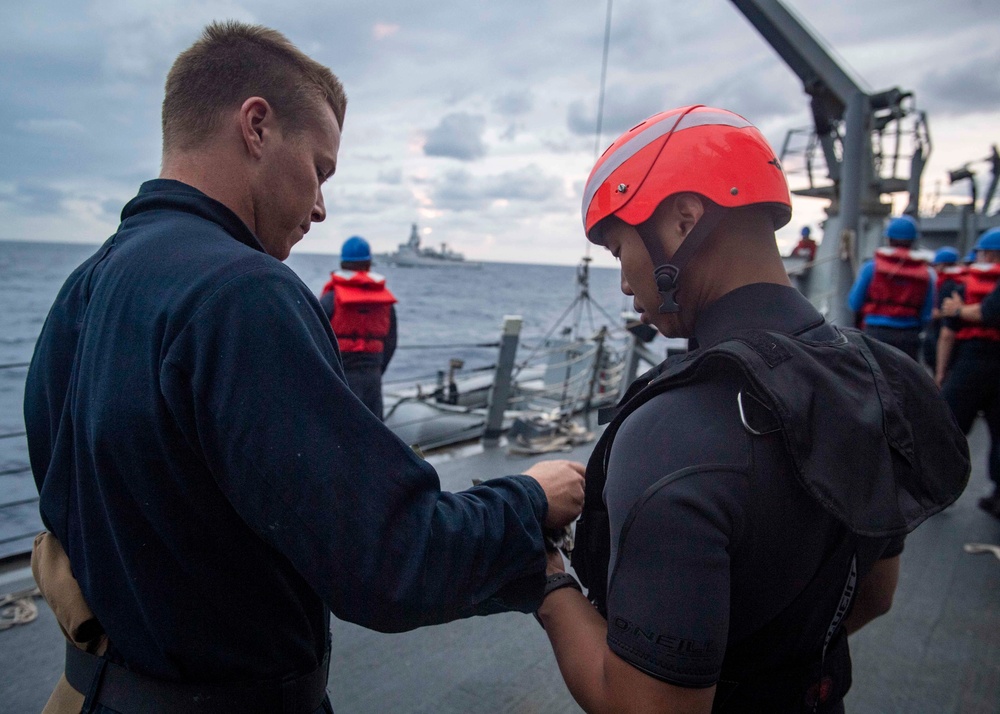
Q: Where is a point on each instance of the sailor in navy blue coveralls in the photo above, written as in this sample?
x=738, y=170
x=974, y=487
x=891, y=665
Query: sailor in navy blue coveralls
x=216, y=485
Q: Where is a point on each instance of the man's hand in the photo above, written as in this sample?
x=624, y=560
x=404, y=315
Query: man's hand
x=952, y=306
x=562, y=482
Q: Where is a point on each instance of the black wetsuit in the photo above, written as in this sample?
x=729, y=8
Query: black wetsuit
x=972, y=387
x=723, y=568
x=930, y=342
x=218, y=488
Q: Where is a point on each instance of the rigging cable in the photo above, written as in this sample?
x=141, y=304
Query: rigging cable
x=604, y=76
x=600, y=99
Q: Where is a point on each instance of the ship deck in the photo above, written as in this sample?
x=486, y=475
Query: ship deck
x=936, y=652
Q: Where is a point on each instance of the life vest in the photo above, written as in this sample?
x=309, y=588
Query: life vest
x=899, y=284
x=950, y=273
x=906, y=460
x=806, y=248
x=979, y=281
x=362, y=310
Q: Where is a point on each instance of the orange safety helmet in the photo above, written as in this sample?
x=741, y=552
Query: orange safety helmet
x=711, y=152
x=697, y=149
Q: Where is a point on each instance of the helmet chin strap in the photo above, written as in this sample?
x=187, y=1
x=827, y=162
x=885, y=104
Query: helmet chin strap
x=668, y=271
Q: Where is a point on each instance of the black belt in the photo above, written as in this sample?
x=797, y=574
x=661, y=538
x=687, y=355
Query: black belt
x=113, y=686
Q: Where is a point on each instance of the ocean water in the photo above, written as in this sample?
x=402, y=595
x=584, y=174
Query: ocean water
x=442, y=313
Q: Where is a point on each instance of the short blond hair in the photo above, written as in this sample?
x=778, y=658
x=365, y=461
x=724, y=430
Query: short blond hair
x=233, y=61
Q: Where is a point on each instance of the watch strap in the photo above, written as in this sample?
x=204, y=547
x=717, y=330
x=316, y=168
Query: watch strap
x=557, y=581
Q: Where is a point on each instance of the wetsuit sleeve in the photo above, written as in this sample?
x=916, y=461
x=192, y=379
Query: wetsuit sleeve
x=676, y=500
x=894, y=547
x=668, y=598
x=991, y=308
x=390, y=340
x=255, y=382
x=859, y=291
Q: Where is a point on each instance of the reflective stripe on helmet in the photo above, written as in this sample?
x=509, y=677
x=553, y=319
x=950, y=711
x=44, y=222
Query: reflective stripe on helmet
x=688, y=120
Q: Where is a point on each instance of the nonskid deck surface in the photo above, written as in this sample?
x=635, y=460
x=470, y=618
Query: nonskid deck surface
x=936, y=652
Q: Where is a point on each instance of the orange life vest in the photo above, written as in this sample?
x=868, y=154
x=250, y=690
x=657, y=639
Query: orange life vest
x=899, y=284
x=362, y=307
x=979, y=281
x=954, y=273
x=806, y=248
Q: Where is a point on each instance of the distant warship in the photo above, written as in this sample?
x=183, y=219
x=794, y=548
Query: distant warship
x=411, y=255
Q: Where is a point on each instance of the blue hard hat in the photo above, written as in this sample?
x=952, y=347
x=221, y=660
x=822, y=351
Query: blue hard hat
x=902, y=228
x=355, y=250
x=805, y=231
x=990, y=240
x=946, y=255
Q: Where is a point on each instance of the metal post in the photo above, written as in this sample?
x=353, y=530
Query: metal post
x=595, y=374
x=631, y=365
x=500, y=391
x=853, y=189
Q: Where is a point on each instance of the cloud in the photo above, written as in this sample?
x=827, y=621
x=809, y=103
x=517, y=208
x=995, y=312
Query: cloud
x=34, y=197
x=83, y=85
x=458, y=136
x=393, y=177
x=461, y=191
x=514, y=102
x=381, y=30
x=624, y=107
x=510, y=133
x=59, y=128
x=971, y=85
x=756, y=94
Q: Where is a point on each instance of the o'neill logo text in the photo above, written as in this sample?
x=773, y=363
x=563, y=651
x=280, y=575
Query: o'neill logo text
x=675, y=645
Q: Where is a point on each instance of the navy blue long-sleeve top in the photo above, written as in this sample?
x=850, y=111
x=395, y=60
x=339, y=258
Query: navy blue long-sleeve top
x=216, y=485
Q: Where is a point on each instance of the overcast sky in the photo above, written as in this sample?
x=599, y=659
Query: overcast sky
x=475, y=120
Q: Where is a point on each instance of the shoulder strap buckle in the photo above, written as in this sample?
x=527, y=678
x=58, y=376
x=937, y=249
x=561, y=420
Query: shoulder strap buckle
x=757, y=418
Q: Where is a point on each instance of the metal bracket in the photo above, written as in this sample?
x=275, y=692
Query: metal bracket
x=746, y=423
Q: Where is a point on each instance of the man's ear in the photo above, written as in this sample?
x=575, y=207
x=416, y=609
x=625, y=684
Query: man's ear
x=688, y=209
x=257, y=121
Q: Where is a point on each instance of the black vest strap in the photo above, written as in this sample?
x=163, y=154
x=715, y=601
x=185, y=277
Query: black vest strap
x=115, y=687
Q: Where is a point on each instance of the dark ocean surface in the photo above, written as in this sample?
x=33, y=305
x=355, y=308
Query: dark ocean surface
x=441, y=312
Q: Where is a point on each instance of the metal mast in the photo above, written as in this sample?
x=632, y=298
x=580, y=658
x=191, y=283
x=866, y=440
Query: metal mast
x=846, y=118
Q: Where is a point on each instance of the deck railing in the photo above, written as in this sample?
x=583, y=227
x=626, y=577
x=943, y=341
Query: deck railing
x=559, y=378
x=20, y=513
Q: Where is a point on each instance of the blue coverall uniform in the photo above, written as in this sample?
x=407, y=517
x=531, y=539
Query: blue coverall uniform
x=218, y=488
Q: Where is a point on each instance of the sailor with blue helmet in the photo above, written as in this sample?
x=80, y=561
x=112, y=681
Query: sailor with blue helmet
x=969, y=353
x=806, y=247
x=945, y=256
x=362, y=314
x=894, y=291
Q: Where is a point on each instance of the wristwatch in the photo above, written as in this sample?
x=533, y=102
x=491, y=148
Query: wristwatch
x=554, y=582
x=557, y=581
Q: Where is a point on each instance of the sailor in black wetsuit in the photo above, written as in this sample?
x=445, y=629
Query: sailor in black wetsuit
x=969, y=355
x=198, y=453
x=747, y=504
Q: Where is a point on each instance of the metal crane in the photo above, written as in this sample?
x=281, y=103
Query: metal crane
x=862, y=136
